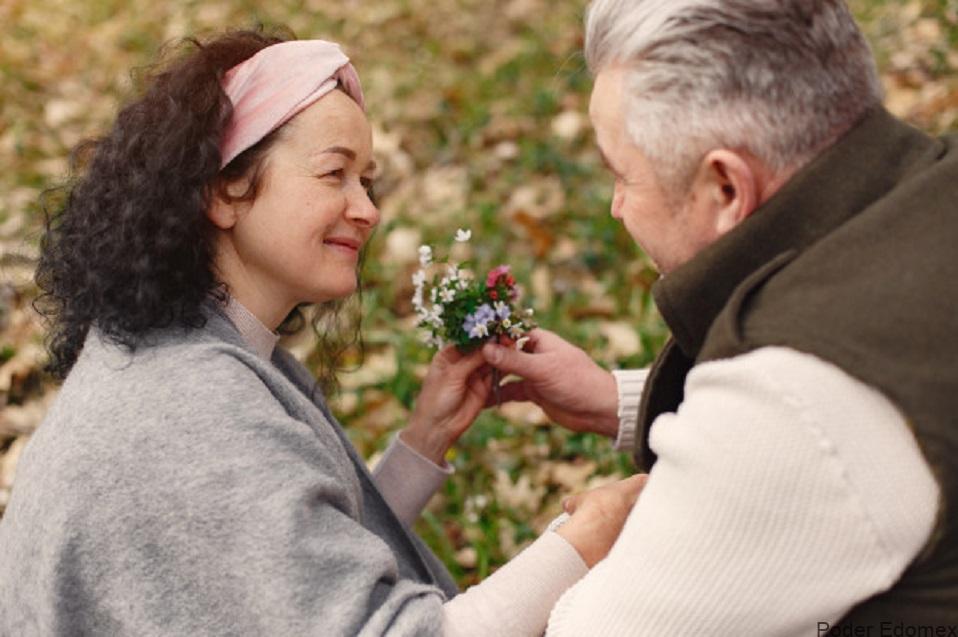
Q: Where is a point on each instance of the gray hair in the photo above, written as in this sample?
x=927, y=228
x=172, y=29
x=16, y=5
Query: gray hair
x=780, y=79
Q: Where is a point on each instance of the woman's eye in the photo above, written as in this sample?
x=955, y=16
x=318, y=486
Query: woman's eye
x=334, y=174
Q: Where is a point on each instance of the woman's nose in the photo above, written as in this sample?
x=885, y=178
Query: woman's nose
x=361, y=210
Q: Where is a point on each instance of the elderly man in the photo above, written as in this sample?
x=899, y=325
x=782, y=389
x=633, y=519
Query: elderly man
x=800, y=424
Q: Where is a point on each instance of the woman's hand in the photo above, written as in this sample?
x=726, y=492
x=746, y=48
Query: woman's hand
x=453, y=394
x=597, y=517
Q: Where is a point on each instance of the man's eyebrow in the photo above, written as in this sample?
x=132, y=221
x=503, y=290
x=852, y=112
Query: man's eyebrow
x=349, y=153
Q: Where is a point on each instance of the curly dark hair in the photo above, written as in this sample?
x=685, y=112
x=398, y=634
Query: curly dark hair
x=129, y=248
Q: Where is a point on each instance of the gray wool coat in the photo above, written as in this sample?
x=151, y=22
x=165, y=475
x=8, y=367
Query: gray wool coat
x=193, y=488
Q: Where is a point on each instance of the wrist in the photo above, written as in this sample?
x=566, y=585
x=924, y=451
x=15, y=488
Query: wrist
x=606, y=418
x=427, y=442
x=581, y=536
x=606, y=425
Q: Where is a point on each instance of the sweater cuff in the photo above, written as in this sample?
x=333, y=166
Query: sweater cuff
x=629, y=383
x=407, y=479
x=517, y=598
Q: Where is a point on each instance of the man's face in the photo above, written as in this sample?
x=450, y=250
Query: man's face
x=670, y=229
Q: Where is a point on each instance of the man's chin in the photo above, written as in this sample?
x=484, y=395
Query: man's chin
x=654, y=260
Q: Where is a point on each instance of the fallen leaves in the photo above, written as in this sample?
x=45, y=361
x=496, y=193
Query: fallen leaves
x=479, y=119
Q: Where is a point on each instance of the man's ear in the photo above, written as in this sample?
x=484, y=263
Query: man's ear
x=731, y=185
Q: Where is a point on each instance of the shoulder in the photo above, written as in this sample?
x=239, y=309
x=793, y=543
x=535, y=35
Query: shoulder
x=188, y=411
x=193, y=393
x=193, y=366
x=781, y=418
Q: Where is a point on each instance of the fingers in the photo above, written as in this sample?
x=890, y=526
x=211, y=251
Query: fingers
x=512, y=361
x=541, y=338
x=526, y=364
x=629, y=489
x=479, y=387
x=451, y=362
x=509, y=393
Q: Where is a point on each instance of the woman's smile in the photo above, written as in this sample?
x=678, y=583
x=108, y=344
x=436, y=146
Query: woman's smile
x=344, y=245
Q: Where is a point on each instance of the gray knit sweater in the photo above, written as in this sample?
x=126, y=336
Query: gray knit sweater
x=192, y=488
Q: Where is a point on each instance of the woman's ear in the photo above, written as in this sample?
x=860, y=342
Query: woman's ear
x=223, y=210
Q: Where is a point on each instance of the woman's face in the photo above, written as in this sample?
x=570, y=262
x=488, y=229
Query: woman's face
x=299, y=240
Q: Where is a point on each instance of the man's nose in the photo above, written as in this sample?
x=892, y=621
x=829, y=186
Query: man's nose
x=616, y=209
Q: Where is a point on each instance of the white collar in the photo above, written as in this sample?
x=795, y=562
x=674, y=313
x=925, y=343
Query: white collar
x=259, y=337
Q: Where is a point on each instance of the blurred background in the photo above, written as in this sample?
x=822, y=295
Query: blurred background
x=479, y=116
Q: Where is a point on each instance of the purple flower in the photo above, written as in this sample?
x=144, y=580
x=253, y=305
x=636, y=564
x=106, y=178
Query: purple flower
x=484, y=314
x=476, y=324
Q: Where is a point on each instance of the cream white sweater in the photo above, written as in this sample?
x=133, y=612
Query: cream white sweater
x=785, y=492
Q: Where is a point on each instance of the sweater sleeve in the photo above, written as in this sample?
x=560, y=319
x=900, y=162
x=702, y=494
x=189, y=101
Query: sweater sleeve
x=407, y=479
x=785, y=492
x=629, y=384
x=517, y=598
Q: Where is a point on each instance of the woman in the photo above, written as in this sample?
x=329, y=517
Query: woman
x=189, y=479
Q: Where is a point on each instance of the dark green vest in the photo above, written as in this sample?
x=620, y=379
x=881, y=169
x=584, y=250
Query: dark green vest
x=855, y=260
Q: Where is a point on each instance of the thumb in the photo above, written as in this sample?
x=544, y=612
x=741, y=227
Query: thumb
x=570, y=504
x=632, y=486
x=513, y=361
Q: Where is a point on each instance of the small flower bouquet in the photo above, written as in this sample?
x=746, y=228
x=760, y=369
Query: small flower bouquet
x=463, y=311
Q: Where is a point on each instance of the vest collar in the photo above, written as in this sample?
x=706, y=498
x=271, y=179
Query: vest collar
x=843, y=180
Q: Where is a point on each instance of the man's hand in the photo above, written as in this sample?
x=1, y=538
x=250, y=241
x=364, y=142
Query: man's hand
x=562, y=379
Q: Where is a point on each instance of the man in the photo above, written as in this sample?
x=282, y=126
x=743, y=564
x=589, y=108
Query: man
x=800, y=424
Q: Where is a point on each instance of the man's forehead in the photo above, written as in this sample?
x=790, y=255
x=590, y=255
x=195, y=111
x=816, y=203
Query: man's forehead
x=606, y=95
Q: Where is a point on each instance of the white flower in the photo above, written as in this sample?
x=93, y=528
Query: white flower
x=479, y=331
x=425, y=255
x=521, y=342
x=463, y=235
x=477, y=502
x=506, y=323
x=453, y=272
x=516, y=332
x=419, y=279
x=434, y=295
x=432, y=340
x=447, y=295
x=529, y=312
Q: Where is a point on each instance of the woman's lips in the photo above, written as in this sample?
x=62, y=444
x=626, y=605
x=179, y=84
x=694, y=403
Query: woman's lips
x=345, y=244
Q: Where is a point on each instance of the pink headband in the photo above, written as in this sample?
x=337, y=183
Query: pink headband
x=268, y=89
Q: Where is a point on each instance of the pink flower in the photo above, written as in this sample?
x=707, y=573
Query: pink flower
x=495, y=273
